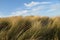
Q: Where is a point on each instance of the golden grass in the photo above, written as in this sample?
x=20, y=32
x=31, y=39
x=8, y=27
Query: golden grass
x=30, y=28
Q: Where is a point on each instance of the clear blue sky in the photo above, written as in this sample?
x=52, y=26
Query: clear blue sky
x=29, y=7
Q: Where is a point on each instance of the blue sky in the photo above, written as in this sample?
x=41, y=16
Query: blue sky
x=29, y=7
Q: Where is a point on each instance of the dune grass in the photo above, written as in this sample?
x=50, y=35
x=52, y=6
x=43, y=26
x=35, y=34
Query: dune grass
x=30, y=28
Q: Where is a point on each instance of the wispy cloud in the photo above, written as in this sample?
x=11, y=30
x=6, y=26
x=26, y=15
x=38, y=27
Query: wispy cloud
x=16, y=13
x=35, y=3
x=1, y=14
x=45, y=2
x=54, y=7
x=31, y=4
x=38, y=8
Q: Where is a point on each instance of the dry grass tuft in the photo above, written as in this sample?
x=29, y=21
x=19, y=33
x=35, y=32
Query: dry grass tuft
x=30, y=28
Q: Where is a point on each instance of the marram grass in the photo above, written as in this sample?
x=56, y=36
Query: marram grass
x=30, y=28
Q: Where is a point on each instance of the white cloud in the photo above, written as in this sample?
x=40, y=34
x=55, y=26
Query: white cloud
x=35, y=3
x=38, y=8
x=41, y=9
x=31, y=4
x=32, y=11
x=54, y=7
x=1, y=14
x=16, y=13
x=50, y=10
x=45, y=2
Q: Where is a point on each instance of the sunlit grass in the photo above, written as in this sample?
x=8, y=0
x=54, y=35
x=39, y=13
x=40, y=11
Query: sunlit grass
x=30, y=28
